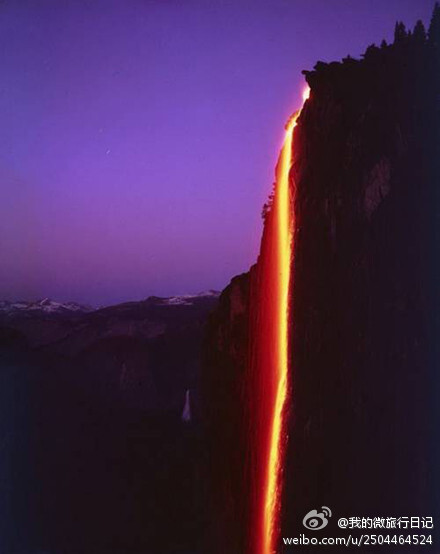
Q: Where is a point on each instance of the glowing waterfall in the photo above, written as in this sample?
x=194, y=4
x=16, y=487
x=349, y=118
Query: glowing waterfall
x=274, y=385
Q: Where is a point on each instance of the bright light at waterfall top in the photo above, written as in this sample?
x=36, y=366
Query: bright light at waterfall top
x=306, y=93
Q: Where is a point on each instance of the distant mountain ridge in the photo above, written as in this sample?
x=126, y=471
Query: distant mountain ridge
x=70, y=327
x=49, y=306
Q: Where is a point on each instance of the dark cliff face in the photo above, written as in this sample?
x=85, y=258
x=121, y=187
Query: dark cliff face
x=363, y=369
x=223, y=406
x=365, y=296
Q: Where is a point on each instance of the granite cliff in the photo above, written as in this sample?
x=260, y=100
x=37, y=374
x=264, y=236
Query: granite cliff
x=364, y=302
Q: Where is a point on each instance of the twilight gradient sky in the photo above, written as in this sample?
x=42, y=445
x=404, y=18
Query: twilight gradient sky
x=138, y=137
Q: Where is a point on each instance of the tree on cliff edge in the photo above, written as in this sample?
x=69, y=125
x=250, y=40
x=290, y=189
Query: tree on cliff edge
x=434, y=27
x=400, y=34
x=419, y=33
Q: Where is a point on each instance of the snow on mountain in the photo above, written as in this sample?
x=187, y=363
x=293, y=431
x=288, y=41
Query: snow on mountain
x=46, y=306
x=188, y=299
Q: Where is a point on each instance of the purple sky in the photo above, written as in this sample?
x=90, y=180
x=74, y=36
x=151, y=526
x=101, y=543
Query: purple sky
x=138, y=137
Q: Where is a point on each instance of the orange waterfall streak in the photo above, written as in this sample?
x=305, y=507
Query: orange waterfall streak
x=283, y=215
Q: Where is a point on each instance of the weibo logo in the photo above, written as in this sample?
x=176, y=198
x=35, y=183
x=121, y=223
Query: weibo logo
x=315, y=520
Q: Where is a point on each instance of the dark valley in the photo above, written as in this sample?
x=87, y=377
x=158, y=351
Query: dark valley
x=102, y=447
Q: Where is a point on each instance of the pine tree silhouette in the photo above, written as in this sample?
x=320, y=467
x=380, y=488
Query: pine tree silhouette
x=400, y=34
x=434, y=27
x=419, y=34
